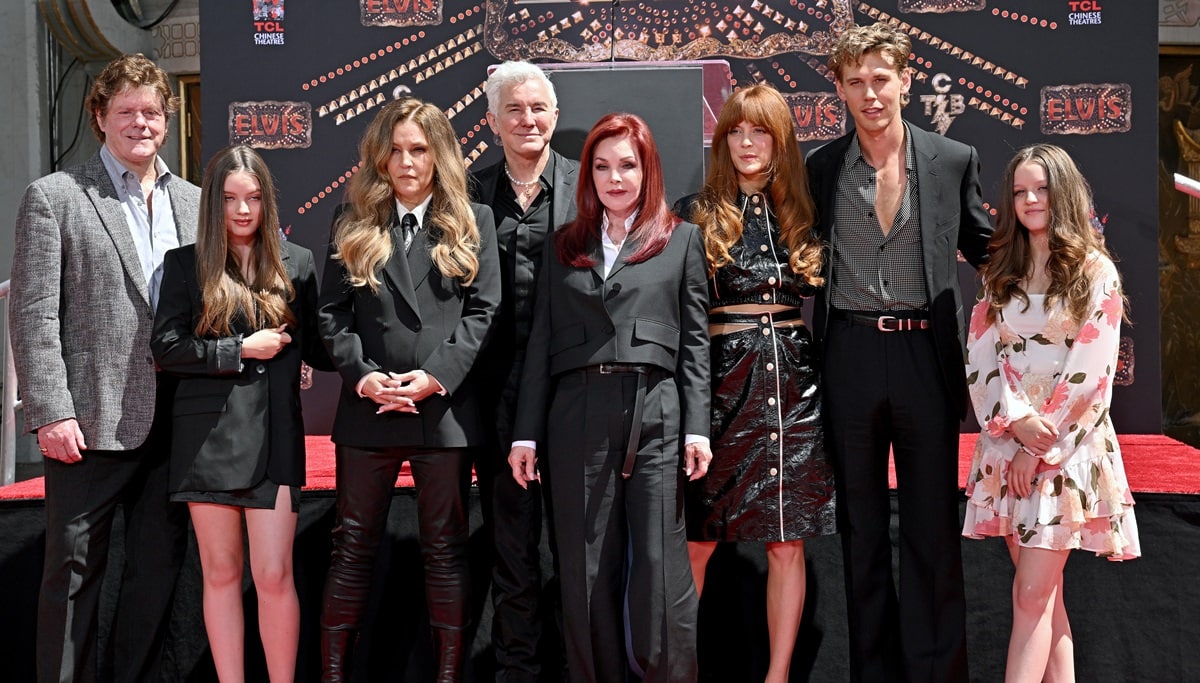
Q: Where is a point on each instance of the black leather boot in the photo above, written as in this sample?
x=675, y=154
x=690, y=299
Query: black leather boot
x=448, y=642
x=337, y=652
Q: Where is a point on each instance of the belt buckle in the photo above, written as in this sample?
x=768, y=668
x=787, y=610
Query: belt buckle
x=606, y=369
x=882, y=324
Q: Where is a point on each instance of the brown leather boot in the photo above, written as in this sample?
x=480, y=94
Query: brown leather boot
x=337, y=653
x=448, y=642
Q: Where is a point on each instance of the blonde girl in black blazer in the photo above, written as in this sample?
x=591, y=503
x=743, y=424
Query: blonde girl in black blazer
x=404, y=324
x=236, y=315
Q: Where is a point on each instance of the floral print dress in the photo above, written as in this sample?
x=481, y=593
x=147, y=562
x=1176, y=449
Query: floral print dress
x=1035, y=362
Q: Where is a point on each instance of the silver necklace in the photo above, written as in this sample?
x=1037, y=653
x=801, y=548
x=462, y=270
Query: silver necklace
x=522, y=183
x=527, y=188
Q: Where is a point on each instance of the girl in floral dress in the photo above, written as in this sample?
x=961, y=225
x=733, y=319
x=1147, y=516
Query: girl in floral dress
x=1042, y=350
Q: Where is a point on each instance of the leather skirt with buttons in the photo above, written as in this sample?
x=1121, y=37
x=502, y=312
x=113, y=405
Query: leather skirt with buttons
x=770, y=478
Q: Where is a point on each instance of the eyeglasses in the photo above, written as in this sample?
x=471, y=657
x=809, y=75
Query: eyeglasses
x=130, y=115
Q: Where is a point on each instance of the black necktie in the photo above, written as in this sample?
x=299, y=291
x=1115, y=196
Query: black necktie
x=408, y=229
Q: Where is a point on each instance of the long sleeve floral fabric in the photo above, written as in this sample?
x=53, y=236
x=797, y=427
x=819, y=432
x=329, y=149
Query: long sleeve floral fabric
x=1038, y=362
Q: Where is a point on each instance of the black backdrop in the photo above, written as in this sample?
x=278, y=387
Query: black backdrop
x=997, y=74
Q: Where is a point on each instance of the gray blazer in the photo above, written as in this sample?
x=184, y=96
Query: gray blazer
x=80, y=315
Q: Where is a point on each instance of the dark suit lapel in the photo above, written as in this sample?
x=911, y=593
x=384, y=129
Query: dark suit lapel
x=396, y=270
x=564, y=190
x=419, y=261
x=829, y=178
x=187, y=214
x=103, y=196
x=929, y=196
x=487, y=184
x=597, y=253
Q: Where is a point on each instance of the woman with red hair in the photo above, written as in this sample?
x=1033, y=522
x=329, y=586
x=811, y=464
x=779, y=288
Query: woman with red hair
x=614, y=410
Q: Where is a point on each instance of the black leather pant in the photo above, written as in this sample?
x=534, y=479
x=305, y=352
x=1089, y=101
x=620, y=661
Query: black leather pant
x=365, y=482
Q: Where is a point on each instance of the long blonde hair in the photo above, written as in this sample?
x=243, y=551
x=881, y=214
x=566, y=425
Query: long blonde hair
x=716, y=209
x=362, y=240
x=225, y=292
x=1071, y=235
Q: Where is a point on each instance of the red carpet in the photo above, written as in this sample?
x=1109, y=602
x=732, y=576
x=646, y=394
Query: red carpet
x=1153, y=464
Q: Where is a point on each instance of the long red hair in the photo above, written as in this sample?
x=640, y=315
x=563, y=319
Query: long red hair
x=654, y=223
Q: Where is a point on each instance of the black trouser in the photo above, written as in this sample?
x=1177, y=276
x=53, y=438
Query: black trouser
x=81, y=500
x=366, y=479
x=629, y=601
x=513, y=516
x=885, y=390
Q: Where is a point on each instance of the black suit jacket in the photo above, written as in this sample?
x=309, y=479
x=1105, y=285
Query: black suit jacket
x=952, y=218
x=419, y=319
x=235, y=419
x=500, y=365
x=653, y=313
x=486, y=183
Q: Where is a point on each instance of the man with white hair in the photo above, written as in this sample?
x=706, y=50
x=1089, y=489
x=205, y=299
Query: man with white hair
x=531, y=191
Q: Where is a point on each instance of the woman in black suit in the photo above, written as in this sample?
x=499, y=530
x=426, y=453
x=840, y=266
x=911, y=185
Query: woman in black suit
x=236, y=315
x=410, y=289
x=615, y=383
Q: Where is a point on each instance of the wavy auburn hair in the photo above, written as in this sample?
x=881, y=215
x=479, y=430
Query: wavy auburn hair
x=654, y=223
x=362, y=240
x=1070, y=233
x=716, y=208
x=263, y=299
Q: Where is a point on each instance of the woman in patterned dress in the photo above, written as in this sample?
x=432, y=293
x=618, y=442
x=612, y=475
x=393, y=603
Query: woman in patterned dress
x=770, y=480
x=1042, y=349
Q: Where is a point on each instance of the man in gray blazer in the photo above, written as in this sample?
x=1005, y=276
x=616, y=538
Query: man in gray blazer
x=85, y=279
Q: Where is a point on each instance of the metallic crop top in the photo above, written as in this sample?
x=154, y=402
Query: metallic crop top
x=759, y=273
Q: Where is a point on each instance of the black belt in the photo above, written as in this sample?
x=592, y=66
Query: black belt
x=635, y=430
x=890, y=321
x=746, y=318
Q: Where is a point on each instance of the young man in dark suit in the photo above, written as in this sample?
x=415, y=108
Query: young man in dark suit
x=895, y=203
x=531, y=191
x=86, y=271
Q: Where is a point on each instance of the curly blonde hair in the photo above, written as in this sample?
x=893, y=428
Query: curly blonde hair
x=362, y=240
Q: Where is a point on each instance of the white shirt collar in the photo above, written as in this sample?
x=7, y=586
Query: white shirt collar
x=418, y=211
x=604, y=238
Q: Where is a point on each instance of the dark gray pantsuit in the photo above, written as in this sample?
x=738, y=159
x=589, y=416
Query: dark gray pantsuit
x=630, y=527
x=621, y=542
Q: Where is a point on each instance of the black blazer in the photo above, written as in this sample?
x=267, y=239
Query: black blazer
x=654, y=313
x=419, y=319
x=234, y=419
x=952, y=218
x=500, y=364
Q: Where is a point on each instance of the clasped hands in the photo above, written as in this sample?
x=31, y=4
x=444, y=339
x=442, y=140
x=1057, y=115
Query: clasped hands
x=398, y=391
x=1036, y=435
